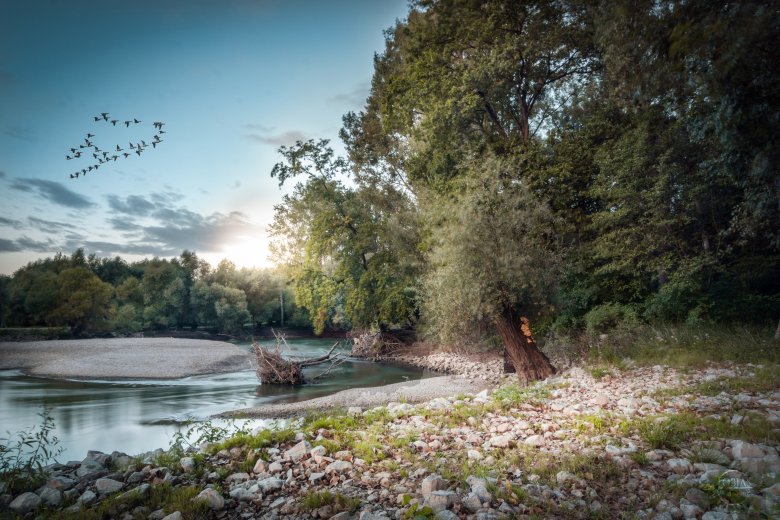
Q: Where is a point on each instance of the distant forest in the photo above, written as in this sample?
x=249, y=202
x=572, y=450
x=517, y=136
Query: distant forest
x=90, y=295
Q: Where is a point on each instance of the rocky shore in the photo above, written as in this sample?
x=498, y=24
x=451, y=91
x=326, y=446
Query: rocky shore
x=650, y=442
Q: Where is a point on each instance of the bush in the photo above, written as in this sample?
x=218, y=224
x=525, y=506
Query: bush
x=608, y=316
x=25, y=454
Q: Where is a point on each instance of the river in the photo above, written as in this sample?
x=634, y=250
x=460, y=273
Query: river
x=139, y=416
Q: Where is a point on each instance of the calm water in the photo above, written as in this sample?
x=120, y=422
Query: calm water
x=138, y=416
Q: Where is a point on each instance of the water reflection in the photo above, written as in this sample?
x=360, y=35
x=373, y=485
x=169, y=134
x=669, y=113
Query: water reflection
x=137, y=416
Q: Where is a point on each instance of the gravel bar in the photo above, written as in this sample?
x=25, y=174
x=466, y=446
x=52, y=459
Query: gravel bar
x=417, y=391
x=123, y=358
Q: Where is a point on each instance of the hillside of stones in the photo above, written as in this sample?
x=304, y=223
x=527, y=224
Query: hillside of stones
x=647, y=442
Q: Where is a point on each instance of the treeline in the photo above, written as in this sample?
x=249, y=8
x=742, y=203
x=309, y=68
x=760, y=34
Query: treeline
x=89, y=294
x=577, y=163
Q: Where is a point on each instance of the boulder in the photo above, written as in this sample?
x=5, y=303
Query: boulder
x=187, y=464
x=441, y=500
x=298, y=451
x=432, y=483
x=501, y=441
x=25, y=503
x=338, y=466
x=270, y=484
x=214, y=500
x=105, y=486
x=176, y=515
x=50, y=496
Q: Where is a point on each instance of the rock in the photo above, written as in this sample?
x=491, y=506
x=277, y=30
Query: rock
x=601, y=400
x=61, y=483
x=441, y=500
x=105, y=486
x=275, y=467
x=690, y=510
x=772, y=492
x=241, y=494
x=237, y=477
x=261, y=466
x=176, y=515
x=298, y=451
x=534, y=440
x=25, y=503
x=316, y=477
x=318, y=451
x=187, y=464
x=87, y=498
x=89, y=467
x=744, y=450
x=140, y=491
x=472, y=502
x=563, y=476
x=338, y=466
x=446, y=515
x=214, y=500
x=343, y=455
x=157, y=514
x=341, y=516
x=50, y=496
x=479, y=488
x=716, y=515
x=432, y=483
x=501, y=441
x=698, y=497
x=679, y=466
x=355, y=410
x=270, y=484
x=473, y=455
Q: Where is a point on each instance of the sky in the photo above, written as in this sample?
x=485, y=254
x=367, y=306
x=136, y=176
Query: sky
x=231, y=80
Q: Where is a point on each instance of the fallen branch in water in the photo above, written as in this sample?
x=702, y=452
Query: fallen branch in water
x=273, y=368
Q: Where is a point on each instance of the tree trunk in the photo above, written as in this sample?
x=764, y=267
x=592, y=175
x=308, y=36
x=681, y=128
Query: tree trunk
x=777, y=332
x=530, y=363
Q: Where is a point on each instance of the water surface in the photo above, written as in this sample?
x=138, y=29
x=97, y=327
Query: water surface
x=139, y=416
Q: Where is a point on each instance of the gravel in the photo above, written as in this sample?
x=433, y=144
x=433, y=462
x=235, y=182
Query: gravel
x=123, y=358
x=410, y=392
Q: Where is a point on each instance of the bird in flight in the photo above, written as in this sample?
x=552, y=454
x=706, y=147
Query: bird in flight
x=105, y=115
x=158, y=125
x=127, y=124
x=90, y=135
x=114, y=121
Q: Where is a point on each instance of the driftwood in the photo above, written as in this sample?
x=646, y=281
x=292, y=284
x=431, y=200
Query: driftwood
x=273, y=368
x=373, y=345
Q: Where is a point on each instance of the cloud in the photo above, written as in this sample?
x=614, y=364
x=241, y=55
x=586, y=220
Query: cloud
x=17, y=224
x=54, y=192
x=122, y=224
x=199, y=233
x=3, y=174
x=8, y=246
x=356, y=97
x=38, y=246
x=286, y=138
x=48, y=226
x=134, y=205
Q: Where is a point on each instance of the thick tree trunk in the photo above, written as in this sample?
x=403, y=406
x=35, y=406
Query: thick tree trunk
x=530, y=363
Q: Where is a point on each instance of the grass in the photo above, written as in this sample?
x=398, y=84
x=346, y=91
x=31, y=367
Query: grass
x=163, y=496
x=317, y=499
x=682, y=346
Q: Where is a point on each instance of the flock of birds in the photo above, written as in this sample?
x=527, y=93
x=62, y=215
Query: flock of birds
x=89, y=149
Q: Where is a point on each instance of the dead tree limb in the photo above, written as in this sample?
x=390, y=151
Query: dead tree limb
x=273, y=368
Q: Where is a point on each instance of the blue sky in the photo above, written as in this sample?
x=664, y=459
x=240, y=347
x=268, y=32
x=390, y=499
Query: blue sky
x=232, y=81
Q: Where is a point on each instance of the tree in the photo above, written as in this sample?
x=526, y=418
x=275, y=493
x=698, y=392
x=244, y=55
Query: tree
x=339, y=246
x=84, y=301
x=494, y=258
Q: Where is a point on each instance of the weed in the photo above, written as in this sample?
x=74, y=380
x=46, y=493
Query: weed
x=661, y=433
x=598, y=372
x=317, y=499
x=640, y=457
x=23, y=460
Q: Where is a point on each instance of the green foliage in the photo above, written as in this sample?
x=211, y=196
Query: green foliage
x=317, y=499
x=661, y=433
x=342, y=245
x=24, y=455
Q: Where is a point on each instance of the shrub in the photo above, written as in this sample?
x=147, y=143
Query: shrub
x=25, y=454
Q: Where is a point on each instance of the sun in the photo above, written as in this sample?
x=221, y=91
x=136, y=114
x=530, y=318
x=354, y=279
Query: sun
x=246, y=251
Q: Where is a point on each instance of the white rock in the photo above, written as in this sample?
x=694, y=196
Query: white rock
x=187, y=464
x=51, y=496
x=214, y=500
x=275, y=467
x=432, y=483
x=270, y=484
x=261, y=466
x=87, y=497
x=104, y=486
x=25, y=503
x=534, y=440
x=176, y=515
x=338, y=466
x=441, y=500
x=298, y=451
x=501, y=441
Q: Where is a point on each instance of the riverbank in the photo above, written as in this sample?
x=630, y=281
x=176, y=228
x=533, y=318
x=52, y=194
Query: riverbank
x=123, y=358
x=648, y=442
